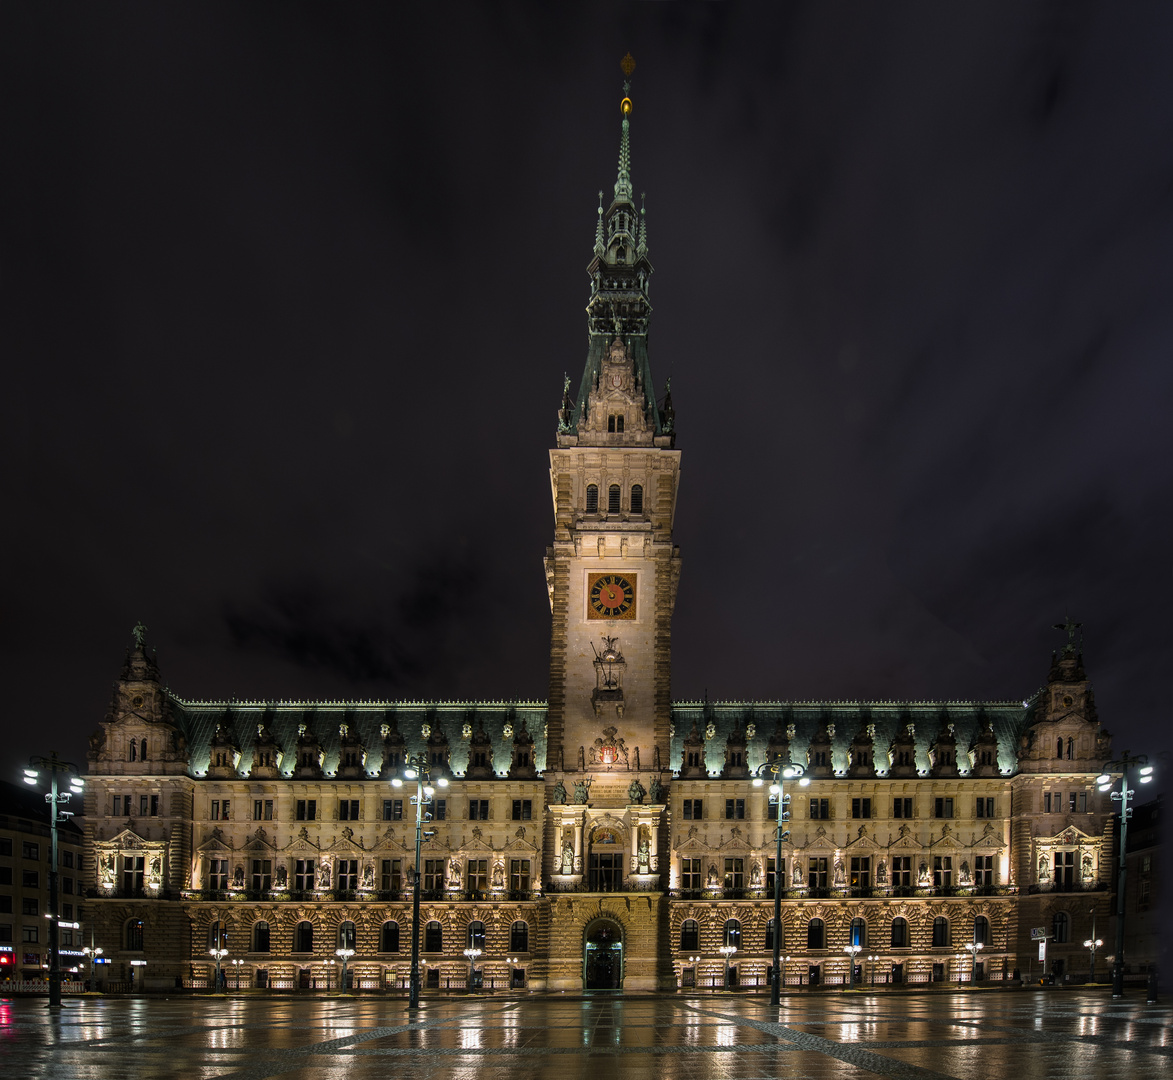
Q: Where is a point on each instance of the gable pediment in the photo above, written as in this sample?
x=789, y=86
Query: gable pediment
x=1070, y=836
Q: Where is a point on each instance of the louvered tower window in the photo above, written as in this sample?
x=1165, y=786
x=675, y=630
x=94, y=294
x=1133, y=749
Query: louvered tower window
x=613, y=499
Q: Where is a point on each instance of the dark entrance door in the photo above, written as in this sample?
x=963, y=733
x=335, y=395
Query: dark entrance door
x=604, y=957
x=303, y=978
x=606, y=873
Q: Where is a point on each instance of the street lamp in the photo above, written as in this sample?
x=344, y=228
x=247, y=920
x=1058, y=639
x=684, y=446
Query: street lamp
x=331, y=963
x=973, y=948
x=345, y=955
x=237, y=964
x=219, y=952
x=852, y=951
x=958, y=955
x=76, y=785
x=1126, y=761
x=873, y=960
x=727, y=951
x=472, y=955
x=782, y=801
x=416, y=769
x=92, y=955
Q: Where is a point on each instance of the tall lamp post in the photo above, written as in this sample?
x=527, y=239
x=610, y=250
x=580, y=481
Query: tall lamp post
x=973, y=948
x=727, y=951
x=219, y=952
x=32, y=774
x=417, y=769
x=92, y=955
x=344, y=955
x=780, y=799
x=1124, y=763
x=472, y=955
x=852, y=952
x=873, y=960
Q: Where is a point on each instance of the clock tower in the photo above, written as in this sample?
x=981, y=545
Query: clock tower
x=612, y=569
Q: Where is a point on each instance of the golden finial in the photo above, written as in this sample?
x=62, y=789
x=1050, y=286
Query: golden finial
x=628, y=65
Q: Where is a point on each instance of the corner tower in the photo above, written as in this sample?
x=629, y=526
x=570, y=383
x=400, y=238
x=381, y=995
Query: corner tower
x=612, y=569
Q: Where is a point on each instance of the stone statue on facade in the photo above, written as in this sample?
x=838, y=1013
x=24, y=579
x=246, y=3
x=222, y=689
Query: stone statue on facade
x=454, y=873
x=656, y=791
x=324, y=874
x=140, y=634
x=713, y=880
x=582, y=791
x=635, y=793
x=558, y=795
x=499, y=876
x=567, y=856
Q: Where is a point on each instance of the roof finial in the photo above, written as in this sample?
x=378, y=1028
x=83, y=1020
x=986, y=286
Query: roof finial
x=623, y=182
x=600, y=246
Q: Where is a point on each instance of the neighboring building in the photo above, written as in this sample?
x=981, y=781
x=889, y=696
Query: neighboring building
x=24, y=885
x=608, y=837
x=1143, y=941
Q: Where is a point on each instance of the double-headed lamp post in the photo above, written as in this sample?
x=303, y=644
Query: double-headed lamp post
x=218, y=953
x=92, y=954
x=472, y=955
x=852, y=952
x=52, y=765
x=343, y=954
x=779, y=798
x=873, y=960
x=727, y=951
x=237, y=966
x=416, y=768
x=1123, y=764
x=973, y=948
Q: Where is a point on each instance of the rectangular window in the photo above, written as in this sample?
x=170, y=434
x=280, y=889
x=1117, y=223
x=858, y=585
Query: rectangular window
x=30, y=851
x=820, y=808
x=117, y=808
x=132, y=873
x=984, y=808
x=902, y=871
x=258, y=809
x=523, y=809
x=902, y=808
x=347, y=877
x=217, y=874
x=433, y=875
x=770, y=873
x=391, y=878
x=942, y=871
x=268, y=809
x=478, y=875
x=29, y=906
x=1071, y=802
x=392, y=809
x=5, y=905
x=1064, y=869
x=5, y=847
x=154, y=806
x=303, y=875
x=67, y=885
x=943, y=808
x=735, y=872
x=5, y=875
x=29, y=934
x=693, y=809
x=816, y=873
x=1046, y=802
x=262, y=875
x=519, y=875
x=1082, y=802
x=861, y=808
x=215, y=814
x=690, y=874
x=983, y=873
x=348, y=809
x=734, y=809
x=439, y=809
x=478, y=809
x=6, y=932
x=67, y=911
x=143, y=805
x=307, y=809
x=861, y=872
x=30, y=879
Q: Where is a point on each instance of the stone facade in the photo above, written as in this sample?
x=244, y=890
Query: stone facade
x=607, y=837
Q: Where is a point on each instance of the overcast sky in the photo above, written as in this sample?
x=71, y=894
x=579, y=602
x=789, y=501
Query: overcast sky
x=288, y=294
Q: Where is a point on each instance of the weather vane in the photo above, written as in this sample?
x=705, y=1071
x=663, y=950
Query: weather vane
x=628, y=66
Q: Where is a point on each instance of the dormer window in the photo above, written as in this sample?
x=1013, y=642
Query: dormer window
x=621, y=254
x=592, y=499
x=615, y=424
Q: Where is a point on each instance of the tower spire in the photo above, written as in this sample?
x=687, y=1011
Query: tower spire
x=600, y=243
x=623, y=181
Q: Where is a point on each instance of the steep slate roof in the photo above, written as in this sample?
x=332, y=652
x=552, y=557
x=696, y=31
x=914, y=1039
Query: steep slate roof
x=637, y=349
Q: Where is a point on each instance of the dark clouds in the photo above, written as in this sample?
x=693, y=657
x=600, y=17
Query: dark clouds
x=289, y=294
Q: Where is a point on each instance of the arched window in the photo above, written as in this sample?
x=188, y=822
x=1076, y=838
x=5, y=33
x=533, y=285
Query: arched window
x=899, y=933
x=619, y=423
x=940, y=932
x=1070, y=749
x=859, y=932
x=611, y=424
x=519, y=936
x=637, y=498
x=433, y=937
x=690, y=935
x=981, y=930
x=732, y=935
x=816, y=934
x=217, y=935
x=1059, y=748
x=592, y=505
x=133, y=751
x=613, y=499
x=346, y=935
x=303, y=938
x=134, y=935
x=770, y=936
x=389, y=938
x=142, y=750
x=261, y=936
x=476, y=935
x=1060, y=925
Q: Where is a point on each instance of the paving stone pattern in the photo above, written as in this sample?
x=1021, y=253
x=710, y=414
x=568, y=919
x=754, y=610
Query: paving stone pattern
x=1043, y=1036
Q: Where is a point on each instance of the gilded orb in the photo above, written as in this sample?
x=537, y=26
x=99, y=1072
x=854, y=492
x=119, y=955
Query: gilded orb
x=625, y=106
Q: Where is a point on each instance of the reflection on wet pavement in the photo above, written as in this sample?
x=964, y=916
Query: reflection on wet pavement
x=1046, y=1036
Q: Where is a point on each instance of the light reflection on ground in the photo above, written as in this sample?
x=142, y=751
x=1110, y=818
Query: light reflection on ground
x=969, y=1036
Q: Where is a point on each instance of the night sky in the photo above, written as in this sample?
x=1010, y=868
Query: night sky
x=288, y=294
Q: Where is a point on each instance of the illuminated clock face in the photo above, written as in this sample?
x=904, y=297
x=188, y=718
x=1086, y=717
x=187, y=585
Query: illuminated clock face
x=610, y=596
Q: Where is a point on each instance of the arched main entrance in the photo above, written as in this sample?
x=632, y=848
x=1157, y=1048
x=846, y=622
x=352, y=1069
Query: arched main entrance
x=602, y=962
